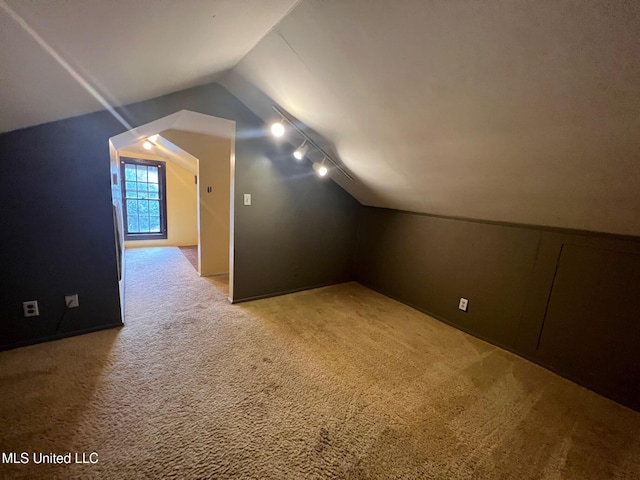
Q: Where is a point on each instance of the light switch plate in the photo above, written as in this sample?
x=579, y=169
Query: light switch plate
x=464, y=304
x=247, y=199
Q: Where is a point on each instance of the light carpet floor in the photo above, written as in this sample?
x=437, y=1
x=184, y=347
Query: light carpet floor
x=334, y=383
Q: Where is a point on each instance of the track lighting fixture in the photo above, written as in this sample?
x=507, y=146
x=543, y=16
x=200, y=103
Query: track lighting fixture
x=147, y=145
x=277, y=129
x=321, y=168
x=301, y=151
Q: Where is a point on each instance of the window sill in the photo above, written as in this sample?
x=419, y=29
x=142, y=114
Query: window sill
x=146, y=236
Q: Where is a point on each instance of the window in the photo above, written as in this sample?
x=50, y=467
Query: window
x=143, y=198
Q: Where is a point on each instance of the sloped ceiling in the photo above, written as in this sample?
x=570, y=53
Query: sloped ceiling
x=525, y=112
x=164, y=150
x=126, y=51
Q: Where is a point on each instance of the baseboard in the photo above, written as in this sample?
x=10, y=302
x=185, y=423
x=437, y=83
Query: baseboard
x=286, y=292
x=60, y=336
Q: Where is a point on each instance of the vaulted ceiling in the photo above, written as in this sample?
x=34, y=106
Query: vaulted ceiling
x=125, y=51
x=525, y=112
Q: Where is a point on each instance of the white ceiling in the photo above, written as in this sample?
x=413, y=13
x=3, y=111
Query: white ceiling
x=163, y=149
x=525, y=112
x=126, y=50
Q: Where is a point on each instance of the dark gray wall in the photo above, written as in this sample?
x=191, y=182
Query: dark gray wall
x=569, y=301
x=300, y=230
x=57, y=229
x=58, y=233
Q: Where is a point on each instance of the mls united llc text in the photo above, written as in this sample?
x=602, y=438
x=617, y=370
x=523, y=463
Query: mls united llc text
x=55, y=458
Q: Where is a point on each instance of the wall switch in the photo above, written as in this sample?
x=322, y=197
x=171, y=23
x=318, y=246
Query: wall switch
x=30, y=308
x=71, y=301
x=464, y=304
x=247, y=199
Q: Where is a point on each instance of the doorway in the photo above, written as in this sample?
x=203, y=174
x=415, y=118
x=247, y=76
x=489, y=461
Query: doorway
x=205, y=146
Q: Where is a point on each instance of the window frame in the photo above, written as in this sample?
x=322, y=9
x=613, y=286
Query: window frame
x=162, y=189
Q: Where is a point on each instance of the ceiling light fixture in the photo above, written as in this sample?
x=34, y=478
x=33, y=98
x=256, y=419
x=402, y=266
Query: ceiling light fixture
x=153, y=138
x=301, y=151
x=147, y=145
x=320, y=168
x=277, y=129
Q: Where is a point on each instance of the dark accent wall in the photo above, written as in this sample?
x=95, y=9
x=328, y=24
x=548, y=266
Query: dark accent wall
x=57, y=219
x=57, y=229
x=569, y=301
x=300, y=230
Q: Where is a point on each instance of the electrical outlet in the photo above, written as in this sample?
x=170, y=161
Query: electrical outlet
x=464, y=304
x=247, y=199
x=30, y=308
x=71, y=301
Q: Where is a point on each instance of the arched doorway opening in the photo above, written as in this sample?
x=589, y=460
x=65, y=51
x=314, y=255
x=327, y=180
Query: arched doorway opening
x=205, y=146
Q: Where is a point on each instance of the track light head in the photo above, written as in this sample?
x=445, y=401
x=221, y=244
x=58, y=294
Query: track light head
x=294, y=125
x=277, y=129
x=147, y=145
x=301, y=151
x=320, y=169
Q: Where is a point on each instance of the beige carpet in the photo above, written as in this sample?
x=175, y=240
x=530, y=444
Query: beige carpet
x=337, y=383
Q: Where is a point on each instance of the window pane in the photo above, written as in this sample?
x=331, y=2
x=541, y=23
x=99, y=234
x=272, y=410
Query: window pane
x=153, y=187
x=152, y=176
x=143, y=224
x=132, y=224
x=143, y=207
x=154, y=208
x=129, y=172
x=142, y=190
x=141, y=173
x=132, y=207
x=154, y=224
x=129, y=186
x=131, y=194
